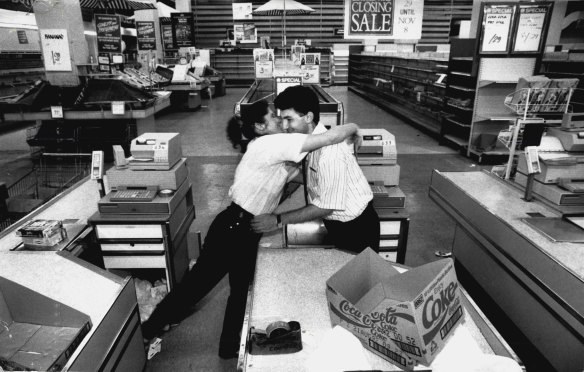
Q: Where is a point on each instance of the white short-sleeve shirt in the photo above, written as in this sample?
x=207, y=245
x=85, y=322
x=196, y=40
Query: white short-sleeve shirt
x=269, y=162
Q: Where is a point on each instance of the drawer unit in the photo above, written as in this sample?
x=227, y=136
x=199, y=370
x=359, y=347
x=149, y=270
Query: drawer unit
x=393, y=228
x=132, y=248
x=128, y=231
x=135, y=262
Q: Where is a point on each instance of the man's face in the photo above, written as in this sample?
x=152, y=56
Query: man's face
x=294, y=122
x=273, y=123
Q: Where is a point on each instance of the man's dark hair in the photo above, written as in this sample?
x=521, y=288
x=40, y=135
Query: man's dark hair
x=238, y=128
x=300, y=98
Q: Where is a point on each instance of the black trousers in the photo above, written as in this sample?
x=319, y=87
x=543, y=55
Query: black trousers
x=357, y=234
x=230, y=247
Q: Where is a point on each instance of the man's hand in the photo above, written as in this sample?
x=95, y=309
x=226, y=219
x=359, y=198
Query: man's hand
x=356, y=139
x=264, y=223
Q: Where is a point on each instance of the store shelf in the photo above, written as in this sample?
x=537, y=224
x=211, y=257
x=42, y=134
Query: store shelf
x=464, y=89
x=461, y=73
x=462, y=142
x=456, y=122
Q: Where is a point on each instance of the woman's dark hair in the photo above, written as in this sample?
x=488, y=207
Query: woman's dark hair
x=242, y=130
x=300, y=98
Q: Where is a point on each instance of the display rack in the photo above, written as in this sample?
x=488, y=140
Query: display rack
x=529, y=111
x=406, y=84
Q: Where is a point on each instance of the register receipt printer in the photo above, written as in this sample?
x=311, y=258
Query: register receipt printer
x=561, y=155
x=377, y=156
x=155, y=151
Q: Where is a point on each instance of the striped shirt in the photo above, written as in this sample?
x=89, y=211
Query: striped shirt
x=269, y=162
x=335, y=181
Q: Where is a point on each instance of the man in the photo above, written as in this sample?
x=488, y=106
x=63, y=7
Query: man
x=338, y=191
x=231, y=245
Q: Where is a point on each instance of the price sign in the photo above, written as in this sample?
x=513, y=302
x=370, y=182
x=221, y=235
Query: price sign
x=118, y=108
x=530, y=28
x=57, y=112
x=497, y=21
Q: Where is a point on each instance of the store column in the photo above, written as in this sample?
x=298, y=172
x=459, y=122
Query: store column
x=64, y=22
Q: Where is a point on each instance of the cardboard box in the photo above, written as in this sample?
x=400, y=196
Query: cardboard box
x=36, y=332
x=404, y=318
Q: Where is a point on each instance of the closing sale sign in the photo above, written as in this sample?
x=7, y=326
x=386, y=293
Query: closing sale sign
x=383, y=19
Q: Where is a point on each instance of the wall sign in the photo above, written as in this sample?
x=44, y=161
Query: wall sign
x=242, y=11
x=183, y=29
x=146, y=35
x=109, y=35
x=530, y=28
x=56, y=112
x=497, y=21
x=166, y=32
x=310, y=67
x=383, y=19
x=55, y=46
x=245, y=33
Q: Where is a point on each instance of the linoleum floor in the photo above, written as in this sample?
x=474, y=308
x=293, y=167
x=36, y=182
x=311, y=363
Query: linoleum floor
x=193, y=345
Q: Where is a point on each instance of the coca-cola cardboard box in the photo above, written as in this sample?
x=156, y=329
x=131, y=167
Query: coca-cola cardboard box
x=405, y=318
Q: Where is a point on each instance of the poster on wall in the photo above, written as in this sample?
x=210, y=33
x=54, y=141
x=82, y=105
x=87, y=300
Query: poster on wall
x=242, y=11
x=310, y=67
x=264, y=63
x=383, y=19
x=109, y=35
x=167, y=42
x=530, y=28
x=55, y=45
x=497, y=21
x=245, y=33
x=145, y=35
x=183, y=29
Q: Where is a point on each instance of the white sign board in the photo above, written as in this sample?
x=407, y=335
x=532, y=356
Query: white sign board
x=497, y=22
x=263, y=62
x=55, y=45
x=529, y=28
x=242, y=11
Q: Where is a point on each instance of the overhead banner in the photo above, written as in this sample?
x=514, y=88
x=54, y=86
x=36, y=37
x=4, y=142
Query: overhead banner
x=55, y=45
x=242, y=11
x=183, y=29
x=146, y=35
x=109, y=35
x=383, y=19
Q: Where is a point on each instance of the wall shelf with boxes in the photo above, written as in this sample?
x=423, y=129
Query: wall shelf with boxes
x=405, y=84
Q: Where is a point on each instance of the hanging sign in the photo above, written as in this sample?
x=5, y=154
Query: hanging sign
x=183, y=29
x=56, y=112
x=310, y=67
x=245, y=33
x=242, y=11
x=166, y=32
x=109, y=35
x=264, y=63
x=118, y=108
x=145, y=35
x=530, y=28
x=497, y=21
x=383, y=19
x=55, y=45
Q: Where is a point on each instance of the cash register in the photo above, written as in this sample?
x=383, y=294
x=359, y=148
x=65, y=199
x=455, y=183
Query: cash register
x=155, y=151
x=377, y=157
x=561, y=155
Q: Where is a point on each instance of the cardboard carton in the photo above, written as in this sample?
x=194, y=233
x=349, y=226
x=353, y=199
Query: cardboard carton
x=36, y=332
x=404, y=318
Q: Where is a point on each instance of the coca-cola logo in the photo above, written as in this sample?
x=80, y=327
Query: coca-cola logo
x=435, y=308
x=346, y=308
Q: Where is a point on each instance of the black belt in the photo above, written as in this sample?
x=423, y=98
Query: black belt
x=241, y=213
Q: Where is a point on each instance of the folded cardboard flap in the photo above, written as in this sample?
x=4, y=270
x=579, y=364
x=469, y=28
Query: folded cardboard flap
x=368, y=268
x=28, y=306
x=405, y=318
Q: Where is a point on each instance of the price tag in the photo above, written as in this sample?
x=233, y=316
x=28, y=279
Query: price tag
x=57, y=112
x=118, y=108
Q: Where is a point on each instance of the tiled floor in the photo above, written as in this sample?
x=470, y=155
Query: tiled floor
x=193, y=345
